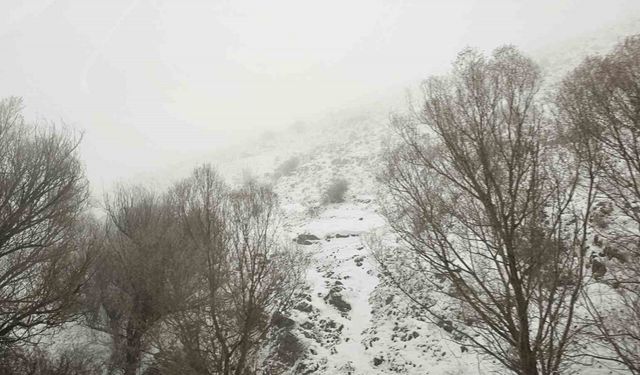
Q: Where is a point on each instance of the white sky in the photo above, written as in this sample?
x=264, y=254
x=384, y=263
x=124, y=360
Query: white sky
x=157, y=82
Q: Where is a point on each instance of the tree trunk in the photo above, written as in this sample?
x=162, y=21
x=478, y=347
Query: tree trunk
x=133, y=349
x=528, y=361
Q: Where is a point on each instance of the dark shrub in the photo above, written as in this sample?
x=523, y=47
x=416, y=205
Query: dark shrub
x=335, y=192
x=287, y=167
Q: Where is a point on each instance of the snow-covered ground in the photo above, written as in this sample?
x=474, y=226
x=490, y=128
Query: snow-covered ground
x=349, y=320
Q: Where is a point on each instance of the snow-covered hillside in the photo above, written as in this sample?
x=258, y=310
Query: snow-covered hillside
x=349, y=319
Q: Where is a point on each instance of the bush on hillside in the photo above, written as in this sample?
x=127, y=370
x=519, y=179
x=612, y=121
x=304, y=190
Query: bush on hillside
x=335, y=191
x=287, y=167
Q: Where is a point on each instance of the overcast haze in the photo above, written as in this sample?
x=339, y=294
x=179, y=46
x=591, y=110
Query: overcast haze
x=158, y=82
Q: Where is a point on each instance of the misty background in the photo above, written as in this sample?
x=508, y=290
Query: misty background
x=159, y=83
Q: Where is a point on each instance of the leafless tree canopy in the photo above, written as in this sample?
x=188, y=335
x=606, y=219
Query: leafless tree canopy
x=142, y=276
x=245, y=275
x=599, y=102
x=35, y=361
x=192, y=275
x=515, y=226
x=484, y=202
x=43, y=254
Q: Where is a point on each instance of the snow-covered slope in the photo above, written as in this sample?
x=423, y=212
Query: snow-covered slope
x=349, y=319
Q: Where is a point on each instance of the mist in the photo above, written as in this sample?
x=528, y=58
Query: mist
x=293, y=187
x=154, y=83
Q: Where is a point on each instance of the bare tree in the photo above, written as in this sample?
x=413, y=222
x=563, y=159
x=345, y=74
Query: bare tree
x=35, y=361
x=484, y=203
x=141, y=276
x=43, y=256
x=600, y=104
x=246, y=276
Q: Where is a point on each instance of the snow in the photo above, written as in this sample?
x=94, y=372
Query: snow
x=348, y=219
x=339, y=256
x=371, y=337
x=382, y=332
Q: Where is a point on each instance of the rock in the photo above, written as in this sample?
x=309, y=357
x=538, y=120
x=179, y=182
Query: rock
x=359, y=260
x=304, y=306
x=611, y=252
x=282, y=321
x=597, y=241
x=335, y=299
x=598, y=269
x=328, y=274
x=330, y=325
x=290, y=349
x=446, y=324
x=306, y=239
x=304, y=369
x=309, y=237
x=377, y=361
x=342, y=235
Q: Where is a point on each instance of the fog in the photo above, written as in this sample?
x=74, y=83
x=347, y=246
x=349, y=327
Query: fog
x=153, y=83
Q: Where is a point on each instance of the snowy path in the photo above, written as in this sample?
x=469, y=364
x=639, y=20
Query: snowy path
x=346, y=336
x=341, y=269
x=359, y=287
x=346, y=262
